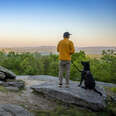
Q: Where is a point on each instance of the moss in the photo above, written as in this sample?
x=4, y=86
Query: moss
x=3, y=89
x=70, y=111
x=22, y=105
x=110, y=91
x=113, y=89
x=111, y=108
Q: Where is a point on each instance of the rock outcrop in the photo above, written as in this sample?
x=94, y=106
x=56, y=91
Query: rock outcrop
x=73, y=94
x=6, y=74
x=19, y=84
x=13, y=110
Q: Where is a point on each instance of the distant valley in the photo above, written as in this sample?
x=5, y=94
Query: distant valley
x=52, y=49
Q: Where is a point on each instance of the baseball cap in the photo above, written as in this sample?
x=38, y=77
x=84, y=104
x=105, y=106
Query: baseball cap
x=67, y=33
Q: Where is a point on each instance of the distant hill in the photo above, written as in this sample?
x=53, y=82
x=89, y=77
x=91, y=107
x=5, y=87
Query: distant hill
x=52, y=49
x=95, y=50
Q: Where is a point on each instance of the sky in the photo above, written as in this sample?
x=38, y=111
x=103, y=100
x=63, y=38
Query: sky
x=32, y=23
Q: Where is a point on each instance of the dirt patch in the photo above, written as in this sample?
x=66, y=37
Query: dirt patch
x=26, y=98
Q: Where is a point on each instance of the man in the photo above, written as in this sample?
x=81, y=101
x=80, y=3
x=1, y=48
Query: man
x=65, y=48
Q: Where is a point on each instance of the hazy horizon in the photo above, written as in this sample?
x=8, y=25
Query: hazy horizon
x=29, y=23
x=16, y=46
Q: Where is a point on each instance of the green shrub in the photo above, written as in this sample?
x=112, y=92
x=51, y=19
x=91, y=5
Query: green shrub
x=103, y=69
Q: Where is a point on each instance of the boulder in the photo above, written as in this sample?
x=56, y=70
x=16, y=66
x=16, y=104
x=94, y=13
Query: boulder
x=17, y=83
x=73, y=95
x=13, y=110
x=2, y=75
x=7, y=73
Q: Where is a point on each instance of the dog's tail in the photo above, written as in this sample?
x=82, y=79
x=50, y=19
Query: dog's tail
x=97, y=92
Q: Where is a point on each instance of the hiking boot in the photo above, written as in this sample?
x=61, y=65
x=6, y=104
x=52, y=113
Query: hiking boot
x=60, y=85
x=67, y=86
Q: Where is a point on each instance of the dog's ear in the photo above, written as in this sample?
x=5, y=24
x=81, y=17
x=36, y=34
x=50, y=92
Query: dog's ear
x=88, y=62
x=82, y=62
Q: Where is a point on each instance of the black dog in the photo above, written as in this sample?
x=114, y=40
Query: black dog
x=89, y=82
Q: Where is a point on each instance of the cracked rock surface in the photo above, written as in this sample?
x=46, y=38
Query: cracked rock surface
x=13, y=110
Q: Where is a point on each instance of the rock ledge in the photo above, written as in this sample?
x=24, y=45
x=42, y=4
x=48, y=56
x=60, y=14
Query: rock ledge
x=13, y=110
x=73, y=95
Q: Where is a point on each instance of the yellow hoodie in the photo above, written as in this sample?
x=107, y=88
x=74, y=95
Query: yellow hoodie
x=65, y=48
